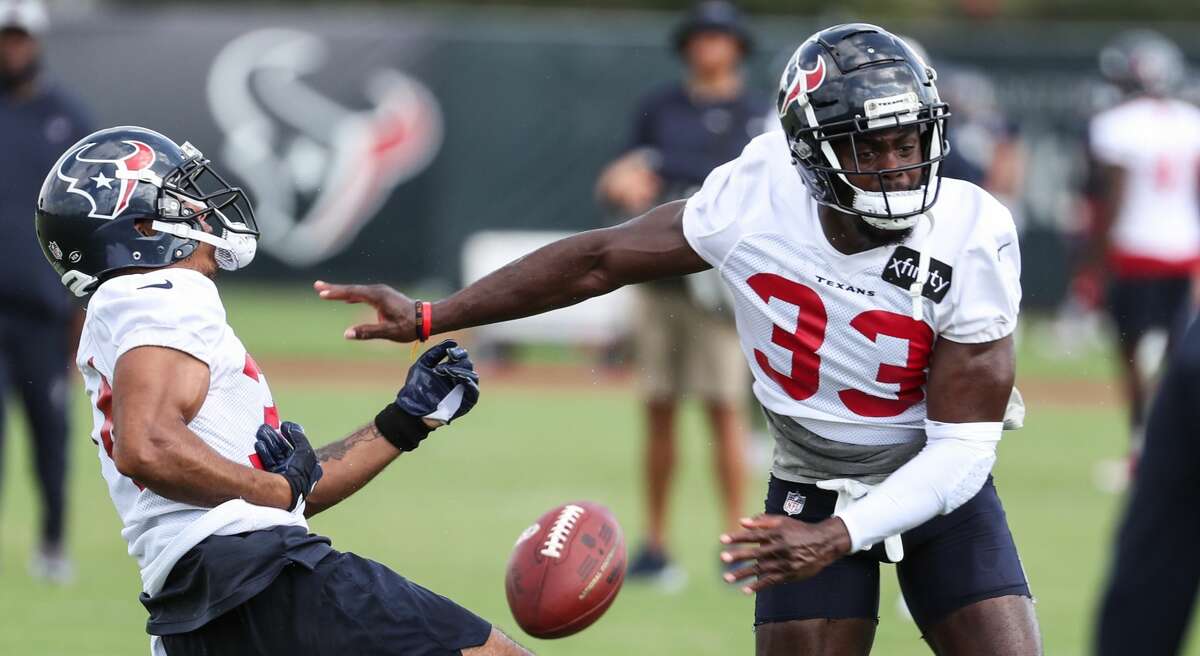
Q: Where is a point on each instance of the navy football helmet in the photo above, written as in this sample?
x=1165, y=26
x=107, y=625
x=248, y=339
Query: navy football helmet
x=850, y=80
x=103, y=185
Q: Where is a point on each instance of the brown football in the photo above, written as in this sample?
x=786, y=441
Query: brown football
x=566, y=570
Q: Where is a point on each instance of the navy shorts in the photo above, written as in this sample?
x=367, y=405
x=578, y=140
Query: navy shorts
x=345, y=605
x=1139, y=305
x=949, y=562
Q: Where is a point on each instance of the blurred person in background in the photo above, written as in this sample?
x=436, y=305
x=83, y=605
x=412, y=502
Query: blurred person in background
x=987, y=150
x=1145, y=237
x=1155, y=574
x=39, y=324
x=685, y=343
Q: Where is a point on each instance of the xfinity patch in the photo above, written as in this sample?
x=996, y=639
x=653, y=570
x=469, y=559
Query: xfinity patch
x=901, y=271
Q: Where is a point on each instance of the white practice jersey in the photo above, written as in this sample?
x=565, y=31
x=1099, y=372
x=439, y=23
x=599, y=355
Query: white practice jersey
x=178, y=309
x=1157, y=143
x=831, y=338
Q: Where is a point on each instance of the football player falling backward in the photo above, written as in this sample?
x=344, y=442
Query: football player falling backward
x=212, y=490
x=876, y=304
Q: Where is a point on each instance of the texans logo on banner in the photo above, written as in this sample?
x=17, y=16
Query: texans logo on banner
x=318, y=171
x=115, y=179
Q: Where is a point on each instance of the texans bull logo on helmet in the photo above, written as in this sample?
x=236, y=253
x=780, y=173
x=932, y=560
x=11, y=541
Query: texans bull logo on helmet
x=802, y=82
x=115, y=180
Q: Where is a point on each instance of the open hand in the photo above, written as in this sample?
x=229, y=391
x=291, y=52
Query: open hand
x=787, y=549
x=395, y=312
x=442, y=384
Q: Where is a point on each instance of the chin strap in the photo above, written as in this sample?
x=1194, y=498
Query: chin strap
x=232, y=254
x=78, y=282
x=918, y=285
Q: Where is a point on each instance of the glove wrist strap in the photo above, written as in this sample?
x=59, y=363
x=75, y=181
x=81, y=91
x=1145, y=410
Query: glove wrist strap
x=297, y=491
x=403, y=430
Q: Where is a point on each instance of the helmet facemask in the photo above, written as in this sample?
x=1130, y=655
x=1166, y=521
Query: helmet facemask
x=193, y=196
x=813, y=149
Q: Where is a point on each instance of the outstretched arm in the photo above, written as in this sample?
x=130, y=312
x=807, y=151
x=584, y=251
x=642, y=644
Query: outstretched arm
x=441, y=386
x=566, y=272
x=349, y=464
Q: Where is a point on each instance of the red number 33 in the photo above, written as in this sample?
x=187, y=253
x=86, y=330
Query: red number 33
x=811, y=321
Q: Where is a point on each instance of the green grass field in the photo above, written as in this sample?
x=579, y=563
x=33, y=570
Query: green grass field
x=447, y=515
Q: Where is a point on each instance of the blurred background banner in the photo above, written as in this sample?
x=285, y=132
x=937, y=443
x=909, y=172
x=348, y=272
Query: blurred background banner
x=375, y=140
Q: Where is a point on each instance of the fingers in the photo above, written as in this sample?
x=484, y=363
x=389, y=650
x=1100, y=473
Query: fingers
x=376, y=331
x=265, y=455
x=347, y=293
x=745, y=536
x=271, y=447
x=743, y=553
x=437, y=352
x=765, y=582
x=294, y=433
x=458, y=374
x=741, y=573
x=761, y=521
x=268, y=435
x=458, y=354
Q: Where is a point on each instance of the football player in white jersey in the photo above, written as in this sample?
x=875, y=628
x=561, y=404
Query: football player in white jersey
x=875, y=303
x=212, y=490
x=1146, y=231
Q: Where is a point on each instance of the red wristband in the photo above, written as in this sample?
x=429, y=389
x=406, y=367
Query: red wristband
x=426, y=319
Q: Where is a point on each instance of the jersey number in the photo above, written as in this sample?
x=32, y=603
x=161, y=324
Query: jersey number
x=104, y=401
x=802, y=380
x=270, y=412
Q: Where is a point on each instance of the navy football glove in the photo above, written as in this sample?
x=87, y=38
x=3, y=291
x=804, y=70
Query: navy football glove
x=442, y=386
x=287, y=452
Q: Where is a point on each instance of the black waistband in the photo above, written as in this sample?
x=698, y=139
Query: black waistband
x=225, y=571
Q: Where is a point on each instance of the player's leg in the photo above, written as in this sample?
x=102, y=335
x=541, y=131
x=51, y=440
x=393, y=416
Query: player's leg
x=832, y=613
x=498, y=644
x=659, y=467
x=963, y=581
x=820, y=637
x=729, y=456
x=40, y=366
x=716, y=372
x=345, y=605
x=1152, y=585
x=1000, y=626
x=656, y=356
x=1129, y=305
x=1176, y=311
x=5, y=373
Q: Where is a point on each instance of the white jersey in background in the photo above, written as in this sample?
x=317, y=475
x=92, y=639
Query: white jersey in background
x=831, y=338
x=1157, y=142
x=178, y=309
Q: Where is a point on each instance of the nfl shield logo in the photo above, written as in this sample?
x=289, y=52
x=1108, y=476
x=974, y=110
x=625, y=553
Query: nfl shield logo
x=794, y=503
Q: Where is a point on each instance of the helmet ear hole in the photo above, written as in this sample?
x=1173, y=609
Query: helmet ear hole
x=143, y=227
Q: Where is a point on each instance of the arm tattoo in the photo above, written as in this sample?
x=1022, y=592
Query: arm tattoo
x=338, y=450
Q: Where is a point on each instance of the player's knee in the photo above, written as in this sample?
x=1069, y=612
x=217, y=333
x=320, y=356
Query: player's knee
x=815, y=637
x=498, y=644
